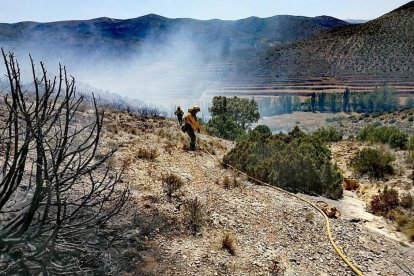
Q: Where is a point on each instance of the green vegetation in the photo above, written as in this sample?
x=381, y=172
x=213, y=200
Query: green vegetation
x=231, y=117
x=409, y=103
x=280, y=105
x=328, y=135
x=386, y=135
x=382, y=99
x=224, y=127
x=375, y=163
x=296, y=161
x=410, y=143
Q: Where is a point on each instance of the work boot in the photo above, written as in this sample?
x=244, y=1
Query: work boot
x=192, y=146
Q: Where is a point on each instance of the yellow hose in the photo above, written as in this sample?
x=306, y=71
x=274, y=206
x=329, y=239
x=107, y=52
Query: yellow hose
x=328, y=227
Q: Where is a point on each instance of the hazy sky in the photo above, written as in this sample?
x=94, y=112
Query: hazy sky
x=54, y=10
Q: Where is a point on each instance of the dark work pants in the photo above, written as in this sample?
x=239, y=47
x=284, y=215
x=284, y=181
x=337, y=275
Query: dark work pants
x=180, y=119
x=192, y=135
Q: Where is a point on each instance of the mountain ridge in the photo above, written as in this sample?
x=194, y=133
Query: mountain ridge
x=127, y=35
x=368, y=48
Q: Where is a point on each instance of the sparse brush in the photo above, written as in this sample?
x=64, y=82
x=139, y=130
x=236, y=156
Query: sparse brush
x=144, y=153
x=405, y=222
x=169, y=146
x=309, y=217
x=384, y=202
x=350, y=184
x=407, y=201
x=226, y=182
x=195, y=215
x=228, y=242
x=409, y=159
x=412, y=176
x=133, y=131
x=277, y=268
x=172, y=183
x=114, y=129
x=236, y=182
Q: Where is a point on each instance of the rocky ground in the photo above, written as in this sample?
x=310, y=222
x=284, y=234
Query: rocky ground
x=348, y=123
x=273, y=233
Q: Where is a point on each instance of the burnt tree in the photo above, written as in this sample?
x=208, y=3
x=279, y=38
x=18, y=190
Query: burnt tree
x=57, y=194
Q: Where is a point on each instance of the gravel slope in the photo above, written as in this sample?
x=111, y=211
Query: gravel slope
x=268, y=226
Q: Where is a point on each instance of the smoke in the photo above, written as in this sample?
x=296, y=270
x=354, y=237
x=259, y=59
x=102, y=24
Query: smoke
x=177, y=67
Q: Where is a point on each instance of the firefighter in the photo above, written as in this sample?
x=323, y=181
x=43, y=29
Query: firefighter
x=179, y=113
x=191, y=125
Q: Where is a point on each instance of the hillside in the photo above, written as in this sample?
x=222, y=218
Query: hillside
x=359, y=56
x=383, y=46
x=105, y=36
x=272, y=230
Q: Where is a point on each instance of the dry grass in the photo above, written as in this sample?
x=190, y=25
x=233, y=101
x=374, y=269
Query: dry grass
x=407, y=201
x=169, y=147
x=133, y=131
x=228, y=242
x=113, y=128
x=384, y=202
x=405, y=222
x=230, y=183
x=351, y=184
x=207, y=146
x=309, y=217
x=277, y=268
x=150, y=154
x=195, y=215
x=226, y=182
x=172, y=183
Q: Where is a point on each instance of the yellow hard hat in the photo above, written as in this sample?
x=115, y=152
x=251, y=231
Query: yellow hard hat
x=196, y=107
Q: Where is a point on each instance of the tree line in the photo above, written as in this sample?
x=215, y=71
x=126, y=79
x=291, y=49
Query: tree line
x=382, y=99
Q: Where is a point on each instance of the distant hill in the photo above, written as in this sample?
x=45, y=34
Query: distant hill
x=216, y=38
x=384, y=46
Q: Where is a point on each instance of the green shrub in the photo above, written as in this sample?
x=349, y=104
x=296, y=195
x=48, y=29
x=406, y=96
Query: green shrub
x=410, y=143
x=297, y=161
x=242, y=111
x=224, y=127
x=384, y=202
x=375, y=163
x=385, y=135
x=328, y=134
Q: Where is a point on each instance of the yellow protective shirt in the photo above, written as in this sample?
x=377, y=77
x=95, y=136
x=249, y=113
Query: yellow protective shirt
x=190, y=119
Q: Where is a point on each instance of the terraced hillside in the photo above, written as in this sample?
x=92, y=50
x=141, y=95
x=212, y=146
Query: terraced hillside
x=360, y=57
